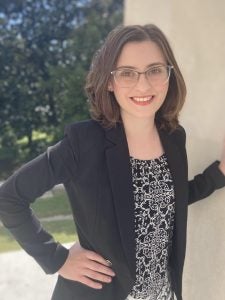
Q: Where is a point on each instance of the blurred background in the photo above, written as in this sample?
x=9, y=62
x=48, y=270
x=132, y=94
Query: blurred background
x=46, y=47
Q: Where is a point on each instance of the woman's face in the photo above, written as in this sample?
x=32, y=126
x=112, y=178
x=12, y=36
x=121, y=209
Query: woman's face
x=143, y=99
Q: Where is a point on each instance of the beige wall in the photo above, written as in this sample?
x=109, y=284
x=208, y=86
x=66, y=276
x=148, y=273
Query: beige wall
x=196, y=31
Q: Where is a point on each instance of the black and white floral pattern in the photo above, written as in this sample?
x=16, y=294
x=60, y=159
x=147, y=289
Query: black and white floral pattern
x=154, y=219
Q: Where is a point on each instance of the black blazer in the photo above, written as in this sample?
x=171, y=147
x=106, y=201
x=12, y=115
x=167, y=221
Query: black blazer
x=93, y=164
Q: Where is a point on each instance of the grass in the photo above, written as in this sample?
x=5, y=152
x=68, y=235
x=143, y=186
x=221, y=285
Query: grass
x=63, y=231
x=53, y=206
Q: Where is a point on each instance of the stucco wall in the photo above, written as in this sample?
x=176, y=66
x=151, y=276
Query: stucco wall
x=196, y=31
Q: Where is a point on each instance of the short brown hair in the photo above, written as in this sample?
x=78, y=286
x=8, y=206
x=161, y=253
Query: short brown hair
x=103, y=106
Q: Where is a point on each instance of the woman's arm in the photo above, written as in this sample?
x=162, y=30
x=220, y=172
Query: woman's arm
x=212, y=178
x=21, y=189
x=206, y=183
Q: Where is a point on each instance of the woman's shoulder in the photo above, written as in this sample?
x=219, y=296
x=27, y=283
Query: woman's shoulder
x=84, y=126
x=176, y=135
x=84, y=131
x=180, y=131
x=179, y=134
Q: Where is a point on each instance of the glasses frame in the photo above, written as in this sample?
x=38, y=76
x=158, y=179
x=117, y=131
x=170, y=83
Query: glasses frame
x=169, y=67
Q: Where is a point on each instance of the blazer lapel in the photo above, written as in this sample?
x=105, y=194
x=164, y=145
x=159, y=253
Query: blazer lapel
x=176, y=165
x=120, y=175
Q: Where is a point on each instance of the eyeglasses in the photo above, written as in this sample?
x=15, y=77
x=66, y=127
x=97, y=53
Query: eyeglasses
x=156, y=76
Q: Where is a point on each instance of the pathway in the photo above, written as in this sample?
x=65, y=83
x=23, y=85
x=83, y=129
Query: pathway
x=21, y=278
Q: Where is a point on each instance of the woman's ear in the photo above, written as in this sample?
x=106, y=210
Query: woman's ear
x=110, y=87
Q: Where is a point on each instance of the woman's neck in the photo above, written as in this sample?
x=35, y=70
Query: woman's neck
x=139, y=128
x=142, y=138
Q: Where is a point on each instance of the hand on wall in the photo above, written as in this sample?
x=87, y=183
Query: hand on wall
x=222, y=162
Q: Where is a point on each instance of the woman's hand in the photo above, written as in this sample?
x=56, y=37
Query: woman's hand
x=86, y=266
x=222, y=162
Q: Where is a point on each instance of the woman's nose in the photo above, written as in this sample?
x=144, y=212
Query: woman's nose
x=143, y=84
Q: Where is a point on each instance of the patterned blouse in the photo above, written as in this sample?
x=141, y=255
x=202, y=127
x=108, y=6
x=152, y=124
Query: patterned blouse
x=154, y=219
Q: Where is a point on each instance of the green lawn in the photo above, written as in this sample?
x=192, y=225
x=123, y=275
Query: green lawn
x=63, y=231
x=56, y=205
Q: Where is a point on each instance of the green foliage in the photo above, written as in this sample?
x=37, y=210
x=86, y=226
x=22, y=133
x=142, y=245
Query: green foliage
x=46, y=47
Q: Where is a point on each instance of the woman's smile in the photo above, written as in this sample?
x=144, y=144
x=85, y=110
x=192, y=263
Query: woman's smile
x=142, y=101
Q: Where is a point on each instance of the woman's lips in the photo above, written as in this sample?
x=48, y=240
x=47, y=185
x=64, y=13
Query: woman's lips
x=142, y=100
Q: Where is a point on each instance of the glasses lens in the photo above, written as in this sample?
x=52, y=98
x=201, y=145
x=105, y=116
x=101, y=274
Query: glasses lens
x=126, y=77
x=158, y=75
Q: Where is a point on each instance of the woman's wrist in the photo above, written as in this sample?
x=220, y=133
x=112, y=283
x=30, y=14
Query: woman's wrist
x=222, y=167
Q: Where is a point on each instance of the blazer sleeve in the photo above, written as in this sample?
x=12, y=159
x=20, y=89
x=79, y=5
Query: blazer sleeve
x=22, y=188
x=206, y=183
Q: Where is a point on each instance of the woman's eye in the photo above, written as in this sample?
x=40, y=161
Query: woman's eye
x=156, y=70
x=127, y=73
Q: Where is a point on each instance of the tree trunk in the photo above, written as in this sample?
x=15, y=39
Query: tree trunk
x=30, y=141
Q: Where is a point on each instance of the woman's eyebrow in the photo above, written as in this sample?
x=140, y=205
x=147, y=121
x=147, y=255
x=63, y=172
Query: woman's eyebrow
x=148, y=66
x=156, y=64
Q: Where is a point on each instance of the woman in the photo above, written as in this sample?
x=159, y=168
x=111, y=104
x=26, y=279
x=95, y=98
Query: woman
x=125, y=172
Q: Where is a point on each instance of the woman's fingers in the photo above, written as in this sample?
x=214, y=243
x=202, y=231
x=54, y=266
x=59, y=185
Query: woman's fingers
x=96, y=257
x=92, y=265
x=97, y=276
x=90, y=283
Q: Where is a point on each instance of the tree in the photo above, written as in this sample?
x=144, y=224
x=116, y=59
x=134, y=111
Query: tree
x=45, y=51
x=33, y=43
x=101, y=17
